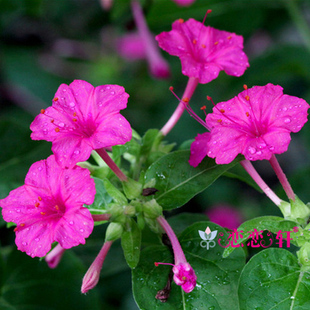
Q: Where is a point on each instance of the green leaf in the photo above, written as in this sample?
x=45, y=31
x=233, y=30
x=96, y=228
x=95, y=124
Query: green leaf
x=102, y=198
x=177, y=182
x=272, y=279
x=271, y=223
x=217, y=278
x=29, y=283
x=117, y=195
x=131, y=242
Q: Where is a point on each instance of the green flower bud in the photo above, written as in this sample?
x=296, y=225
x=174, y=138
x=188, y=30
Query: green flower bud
x=132, y=188
x=114, y=231
x=304, y=255
x=130, y=210
x=299, y=211
x=152, y=209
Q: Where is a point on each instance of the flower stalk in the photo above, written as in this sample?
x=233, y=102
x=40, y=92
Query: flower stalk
x=92, y=275
x=188, y=93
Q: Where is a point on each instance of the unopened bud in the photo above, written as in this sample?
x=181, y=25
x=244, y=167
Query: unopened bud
x=114, y=231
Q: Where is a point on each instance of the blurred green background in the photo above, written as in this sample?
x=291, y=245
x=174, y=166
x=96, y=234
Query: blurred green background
x=46, y=43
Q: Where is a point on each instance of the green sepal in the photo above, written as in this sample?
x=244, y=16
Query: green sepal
x=152, y=209
x=132, y=188
x=114, y=231
x=300, y=212
x=117, y=195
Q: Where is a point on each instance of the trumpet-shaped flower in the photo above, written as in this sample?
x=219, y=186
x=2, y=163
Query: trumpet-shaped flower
x=203, y=50
x=257, y=123
x=49, y=207
x=83, y=118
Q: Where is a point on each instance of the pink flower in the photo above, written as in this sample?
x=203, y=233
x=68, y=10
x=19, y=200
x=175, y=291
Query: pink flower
x=92, y=275
x=49, y=207
x=184, y=2
x=204, y=51
x=226, y=216
x=184, y=274
x=53, y=258
x=257, y=123
x=83, y=118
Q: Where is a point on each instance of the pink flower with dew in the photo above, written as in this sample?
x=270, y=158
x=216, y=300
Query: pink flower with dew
x=224, y=215
x=83, y=118
x=257, y=124
x=184, y=2
x=92, y=275
x=184, y=274
x=49, y=207
x=53, y=257
x=203, y=50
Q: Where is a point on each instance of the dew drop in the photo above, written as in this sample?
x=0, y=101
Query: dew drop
x=271, y=147
x=18, y=210
x=259, y=153
x=284, y=109
x=252, y=150
x=72, y=104
x=24, y=243
x=37, y=239
x=61, y=124
x=76, y=152
x=112, y=92
x=287, y=120
x=81, y=230
x=45, y=131
x=71, y=222
x=108, y=87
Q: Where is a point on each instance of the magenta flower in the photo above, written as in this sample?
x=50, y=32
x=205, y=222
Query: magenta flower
x=131, y=46
x=184, y=274
x=203, y=50
x=257, y=123
x=92, y=275
x=83, y=118
x=49, y=207
x=53, y=258
x=184, y=2
x=225, y=215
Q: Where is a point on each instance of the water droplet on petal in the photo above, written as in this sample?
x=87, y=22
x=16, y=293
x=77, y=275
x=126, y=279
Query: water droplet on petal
x=112, y=92
x=108, y=87
x=72, y=104
x=37, y=239
x=81, y=230
x=71, y=222
x=259, y=153
x=45, y=131
x=61, y=124
x=287, y=120
x=252, y=150
x=284, y=109
x=76, y=152
x=24, y=243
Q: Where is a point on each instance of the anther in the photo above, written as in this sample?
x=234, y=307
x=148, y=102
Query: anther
x=42, y=111
x=247, y=114
x=56, y=207
x=229, y=37
x=209, y=98
x=55, y=99
x=39, y=198
x=42, y=213
x=203, y=107
x=171, y=88
x=36, y=204
x=52, y=121
x=247, y=97
x=181, y=20
x=219, y=120
x=222, y=110
x=203, y=45
x=216, y=43
x=22, y=225
x=57, y=129
x=245, y=87
x=209, y=11
x=194, y=41
x=185, y=99
x=74, y=114
x=74, y=119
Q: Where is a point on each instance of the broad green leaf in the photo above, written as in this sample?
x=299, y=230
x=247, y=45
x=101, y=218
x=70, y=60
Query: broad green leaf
x=117, y=195
x=177, y=182
x=271, y=223
x=272, y=279
x=131, y=242
x=217, y=277
x=102, y=198
x=29, y=284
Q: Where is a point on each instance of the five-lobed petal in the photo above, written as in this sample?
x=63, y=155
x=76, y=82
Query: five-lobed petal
x=203, y=50
x=184, y=275
x=49, y=207
x=257, y=123
x=83, y=118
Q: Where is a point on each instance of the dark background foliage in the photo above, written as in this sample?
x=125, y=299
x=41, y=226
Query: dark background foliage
x=46, y=43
